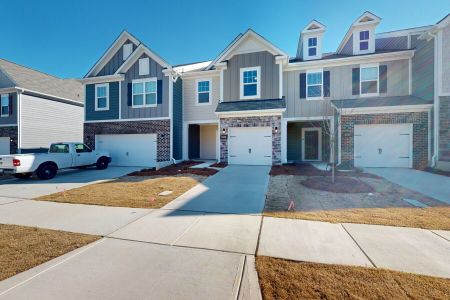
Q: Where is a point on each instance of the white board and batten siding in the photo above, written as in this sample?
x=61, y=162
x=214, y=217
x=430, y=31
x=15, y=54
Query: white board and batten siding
x=45, y=121
x=383, y=146
x=250, y=145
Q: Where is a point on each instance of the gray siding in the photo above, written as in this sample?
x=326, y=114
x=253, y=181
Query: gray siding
x=341, y=88
x=269, y=75
x=115, y=62
x=5, y=81
x=112, y=113
x=194, y=112
x=348, y=47
x=446, y=60
x=12, y=118
x=178, y=119
x=391, y=43
x=423, y=68
x=45, y=121
x=161, y=110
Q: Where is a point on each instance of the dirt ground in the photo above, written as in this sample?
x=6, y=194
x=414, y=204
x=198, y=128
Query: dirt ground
x=384, y=206
x=283, y=279
x=22, y=248
x=130, y=191
x=177, y=169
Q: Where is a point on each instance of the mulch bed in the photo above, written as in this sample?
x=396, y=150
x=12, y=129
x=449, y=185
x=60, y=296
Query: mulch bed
x=340, y=185
x=176, y=169
x=305, y=169
x=437, y=171
x=219, y=165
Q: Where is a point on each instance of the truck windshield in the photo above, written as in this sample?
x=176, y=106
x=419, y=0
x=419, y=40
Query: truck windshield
x=59, y=148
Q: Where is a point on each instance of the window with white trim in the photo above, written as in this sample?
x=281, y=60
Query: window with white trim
x=5, y=105
x=144, y=92
x=144, y=66
x=314, y=84
x=102, y=96
x=312, y=46
x=369, y=80
x=127, y=49
x=364, y=40
x=250, y=83
x=203, y=91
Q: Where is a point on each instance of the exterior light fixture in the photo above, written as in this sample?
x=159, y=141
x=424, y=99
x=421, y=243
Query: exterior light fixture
x=276, y=129
x=224, y=130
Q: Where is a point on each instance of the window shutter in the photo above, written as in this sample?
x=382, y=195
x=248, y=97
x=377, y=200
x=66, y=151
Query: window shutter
x=326, y=84
x=129, y=93
x=10, y=104
x=159, y=90
x=355, y=81
x=302, y=85
x=383, y=78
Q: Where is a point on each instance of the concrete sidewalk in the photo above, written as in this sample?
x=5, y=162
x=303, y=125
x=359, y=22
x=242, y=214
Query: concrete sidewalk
x=397, y=248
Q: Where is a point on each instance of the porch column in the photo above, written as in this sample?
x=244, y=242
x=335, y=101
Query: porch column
x=283, y=141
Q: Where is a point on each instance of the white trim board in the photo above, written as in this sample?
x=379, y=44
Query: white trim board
x=386, y=109
x=126, y=120
x=249, y=113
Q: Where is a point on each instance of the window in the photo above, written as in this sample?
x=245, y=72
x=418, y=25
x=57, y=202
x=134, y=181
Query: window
x=5, y=105
x=314, y=84
x=312, y=46
x=369, y=80
x=102, y=96
x=250, y=83
x=59, y=148
x=144, y=66
x=364, y=40
x=82, y=148
x=203, y=91
x=144, y=92
x=127, y=49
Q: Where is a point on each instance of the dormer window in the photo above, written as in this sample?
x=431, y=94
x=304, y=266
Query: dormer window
x=312, y=46
x=364, y=40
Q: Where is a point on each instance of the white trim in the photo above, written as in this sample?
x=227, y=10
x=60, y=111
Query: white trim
x=409, y=76
x=411, y=144
x=403, y=32
x=249, y=113
x=141, y=49
x=197, y=103
x=169, y=77
x=339, y=139
x=144, y=81
x=103, y=79
x=221, y=84
x=280, y=78
x=429, y=135
x=444, y=94
x=8, y=125
x=127, y=120
x=1, y=105
x=386, y=109
x=317, y=118
x=120, y=100
x=319, y=130
x=367, y=66
x=313, y=71
x=19, y=122
x=105, y=85
x=144, y=66
x=258, y=82
x=201, y=74
x=127, y=49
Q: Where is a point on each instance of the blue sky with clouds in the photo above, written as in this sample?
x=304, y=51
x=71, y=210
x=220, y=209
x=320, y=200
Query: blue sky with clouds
x=65, y=38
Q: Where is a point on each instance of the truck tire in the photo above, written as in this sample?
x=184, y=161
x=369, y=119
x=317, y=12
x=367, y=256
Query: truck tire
x=102, y=163
x=46, y=171
x=23, y=175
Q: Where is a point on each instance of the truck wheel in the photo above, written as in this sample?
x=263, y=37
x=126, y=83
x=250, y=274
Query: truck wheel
x=102, y=163
x=46, y=171
x=23, y=175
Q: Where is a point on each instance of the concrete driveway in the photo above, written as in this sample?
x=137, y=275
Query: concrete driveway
x=431, y=185
x=64, y=180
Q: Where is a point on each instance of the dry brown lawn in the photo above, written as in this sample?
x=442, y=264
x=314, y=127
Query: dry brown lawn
x=283, y=279
x=130, y=191
x=22, y=248
x=427, y=218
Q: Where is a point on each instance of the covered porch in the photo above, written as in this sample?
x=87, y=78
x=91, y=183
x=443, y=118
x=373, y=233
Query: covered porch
x=202, y=139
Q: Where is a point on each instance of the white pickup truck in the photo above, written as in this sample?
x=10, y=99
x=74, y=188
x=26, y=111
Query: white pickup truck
x=59, y=156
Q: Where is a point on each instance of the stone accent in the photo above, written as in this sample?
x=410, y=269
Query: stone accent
x=160, y=127
x=444, y=129
x=420, y=134
x=12, y=133
x=262, y=121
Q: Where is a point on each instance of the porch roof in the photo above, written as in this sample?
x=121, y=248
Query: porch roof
x=380, y=102
x=250, y=105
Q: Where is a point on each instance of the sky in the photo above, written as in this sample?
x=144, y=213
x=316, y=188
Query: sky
x=66, y=37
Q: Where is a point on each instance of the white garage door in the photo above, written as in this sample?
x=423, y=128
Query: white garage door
x=129, y=149
x=383, y=145
x=4, y=145
x=250, y=146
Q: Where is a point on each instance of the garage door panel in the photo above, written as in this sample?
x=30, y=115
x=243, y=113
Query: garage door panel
x=250, y=146
x=5, y=145
x=129, y=149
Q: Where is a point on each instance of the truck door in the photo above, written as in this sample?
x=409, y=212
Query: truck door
x=84, y=155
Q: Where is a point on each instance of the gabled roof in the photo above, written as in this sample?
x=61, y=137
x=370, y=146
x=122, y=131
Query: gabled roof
x=32, y=80
x=225, y=54
x=314, y=26
x=109, y=53
x=367, y=18
x=141, y=49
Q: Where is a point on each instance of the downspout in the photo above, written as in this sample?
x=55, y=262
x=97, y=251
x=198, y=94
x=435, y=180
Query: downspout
x=435, y=157
x=19, y=119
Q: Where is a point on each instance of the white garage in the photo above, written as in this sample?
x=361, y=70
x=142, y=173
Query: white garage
x=250, y=145
x=5, y=145
x=387, y=145
x=133, y=150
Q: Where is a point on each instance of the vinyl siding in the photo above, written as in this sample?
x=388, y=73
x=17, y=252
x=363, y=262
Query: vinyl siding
x=112, y=113
x=5, y=81
x=341, y=88
x=391, y=43
x=45, y=121
x=423, y=68
x=194, y=112
x=348, y=47
x=269, y=75
x=161, y=110
x=11, y=119
x=446, y=60
x=178, y=119
x=115, y=62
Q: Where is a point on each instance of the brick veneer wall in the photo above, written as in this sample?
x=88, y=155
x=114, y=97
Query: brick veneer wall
x=263, y=121
x=420, y=134
x=444, y=129
x=160, y=127
x=11, y=132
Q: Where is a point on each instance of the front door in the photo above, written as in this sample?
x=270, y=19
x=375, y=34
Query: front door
x=311, y=144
